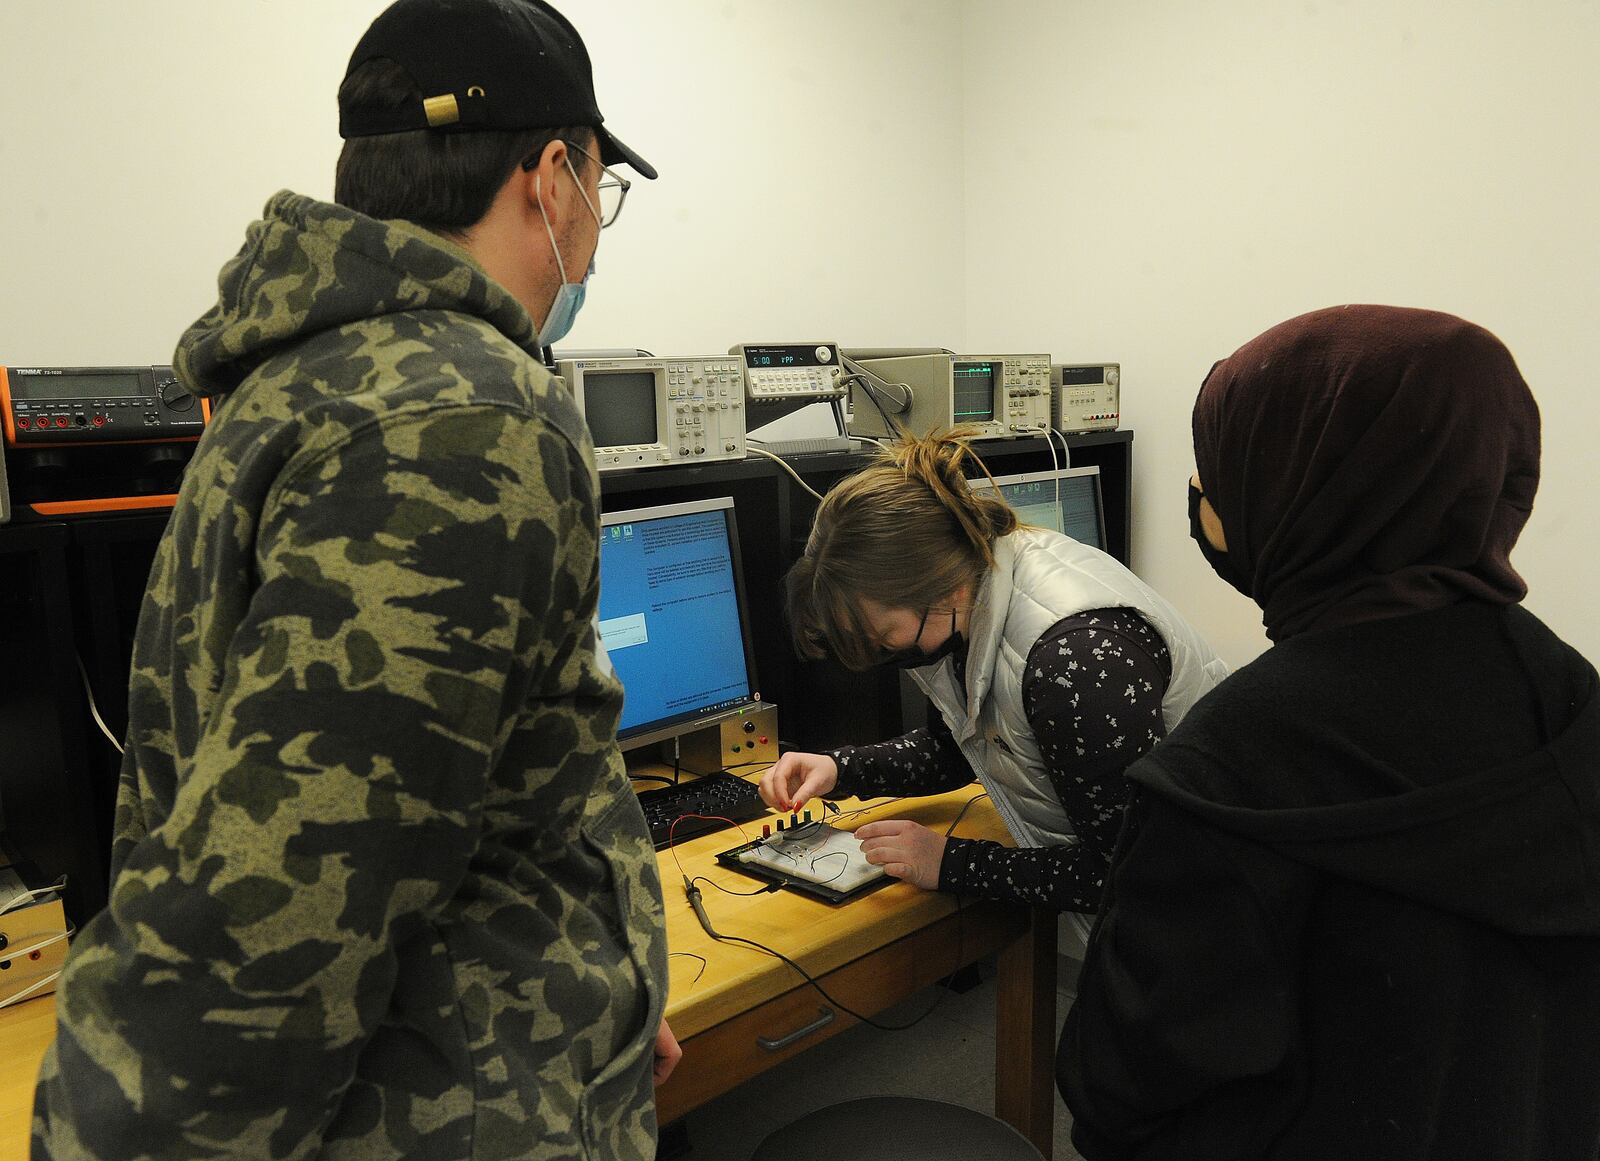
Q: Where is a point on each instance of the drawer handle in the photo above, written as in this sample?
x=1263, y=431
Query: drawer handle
x=824, y=1018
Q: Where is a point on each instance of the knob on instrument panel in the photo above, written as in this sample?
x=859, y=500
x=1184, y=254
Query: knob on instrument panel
x=175, y=395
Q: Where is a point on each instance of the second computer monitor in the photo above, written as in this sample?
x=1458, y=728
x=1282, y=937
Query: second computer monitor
x=673, y=617
x=1066, y=501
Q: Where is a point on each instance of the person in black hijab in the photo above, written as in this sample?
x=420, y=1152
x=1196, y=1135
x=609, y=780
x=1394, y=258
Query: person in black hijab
x=1355, y=908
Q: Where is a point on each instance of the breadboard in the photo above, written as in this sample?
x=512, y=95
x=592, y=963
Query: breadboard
x=816, y=858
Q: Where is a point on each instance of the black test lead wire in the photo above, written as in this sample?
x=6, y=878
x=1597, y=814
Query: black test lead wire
x=692, y=893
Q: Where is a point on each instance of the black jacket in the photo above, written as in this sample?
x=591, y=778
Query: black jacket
x=1355, y=912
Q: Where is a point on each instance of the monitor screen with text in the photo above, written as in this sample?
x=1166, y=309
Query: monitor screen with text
x=672, y=615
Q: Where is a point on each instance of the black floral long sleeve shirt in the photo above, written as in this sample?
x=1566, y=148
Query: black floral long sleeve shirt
x=1092, y=694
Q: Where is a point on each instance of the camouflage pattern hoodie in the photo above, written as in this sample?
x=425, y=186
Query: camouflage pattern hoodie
x=380, y=886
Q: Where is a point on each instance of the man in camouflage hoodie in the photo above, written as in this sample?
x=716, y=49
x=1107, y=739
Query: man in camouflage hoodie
x=381, y=888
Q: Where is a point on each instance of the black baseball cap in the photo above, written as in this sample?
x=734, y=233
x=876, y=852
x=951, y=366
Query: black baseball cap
x=482, y=64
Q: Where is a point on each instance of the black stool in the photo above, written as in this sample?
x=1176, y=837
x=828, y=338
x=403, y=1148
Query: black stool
x=896, y=1128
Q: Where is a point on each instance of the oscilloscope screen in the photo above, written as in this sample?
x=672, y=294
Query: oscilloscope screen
x=974, y=392
x=620, y=407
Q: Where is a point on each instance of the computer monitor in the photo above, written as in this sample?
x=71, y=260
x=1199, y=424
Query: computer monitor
x=1066, y=500
x=673, y=617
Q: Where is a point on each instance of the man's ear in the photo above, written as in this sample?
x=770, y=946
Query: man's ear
x=540, y=181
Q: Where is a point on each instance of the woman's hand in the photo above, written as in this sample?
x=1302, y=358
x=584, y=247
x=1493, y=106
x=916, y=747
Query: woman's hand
x=796, y=779
x=667, y=1054
x=905, y=849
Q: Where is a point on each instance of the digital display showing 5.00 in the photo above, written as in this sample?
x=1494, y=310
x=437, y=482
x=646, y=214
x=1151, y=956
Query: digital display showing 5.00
x=789, y=356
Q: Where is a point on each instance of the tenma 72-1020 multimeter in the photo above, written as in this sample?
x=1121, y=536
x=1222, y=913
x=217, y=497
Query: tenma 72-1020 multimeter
x=82, y=440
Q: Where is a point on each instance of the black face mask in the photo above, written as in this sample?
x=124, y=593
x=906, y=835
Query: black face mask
x=914, y=658
x=1221, y=562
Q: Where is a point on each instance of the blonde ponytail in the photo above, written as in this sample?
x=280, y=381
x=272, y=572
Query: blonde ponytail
x=936, y=460
x=906, y=533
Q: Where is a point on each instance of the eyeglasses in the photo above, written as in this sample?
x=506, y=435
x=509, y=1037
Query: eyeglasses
x=613, y=189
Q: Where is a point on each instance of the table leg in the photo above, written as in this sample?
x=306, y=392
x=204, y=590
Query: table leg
x=1025, y=1032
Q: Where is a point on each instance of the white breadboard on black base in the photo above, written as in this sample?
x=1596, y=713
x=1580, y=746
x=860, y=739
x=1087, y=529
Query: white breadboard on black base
x=815, y=858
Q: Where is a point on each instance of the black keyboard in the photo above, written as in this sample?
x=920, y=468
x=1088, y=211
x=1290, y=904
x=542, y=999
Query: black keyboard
x=720, y=794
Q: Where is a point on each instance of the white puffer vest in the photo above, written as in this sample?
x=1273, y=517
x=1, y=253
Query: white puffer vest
x=1038, y=578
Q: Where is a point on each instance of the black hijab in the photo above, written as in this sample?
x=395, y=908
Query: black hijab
x=1367, y=462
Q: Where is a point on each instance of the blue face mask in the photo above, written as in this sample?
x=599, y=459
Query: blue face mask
x=564, y=310
x=569, y=297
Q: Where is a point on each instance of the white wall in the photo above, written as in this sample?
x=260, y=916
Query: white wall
x=1145, y=181
x=140, y=138
x=1156, y=183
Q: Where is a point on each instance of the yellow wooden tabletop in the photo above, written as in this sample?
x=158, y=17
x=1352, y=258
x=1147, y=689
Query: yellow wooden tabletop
x=821, y=936
x=26, y=1030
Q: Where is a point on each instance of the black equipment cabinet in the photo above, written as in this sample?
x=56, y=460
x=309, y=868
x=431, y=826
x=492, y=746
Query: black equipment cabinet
x=110, y=559
x=70, y=593
x=72, y=589
x=52, y=813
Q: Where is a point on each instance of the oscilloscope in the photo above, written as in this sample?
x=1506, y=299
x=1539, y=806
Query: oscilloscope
x=1024, y=387
x=924, y=389
x=650, y=412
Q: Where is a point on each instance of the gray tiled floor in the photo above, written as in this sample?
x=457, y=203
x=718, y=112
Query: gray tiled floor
x=948, y=1056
